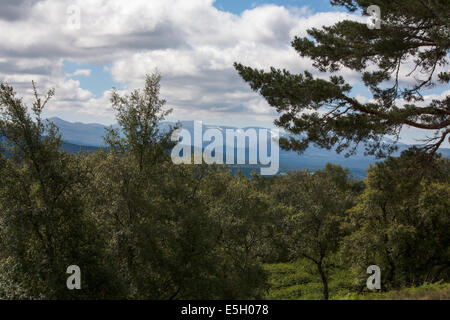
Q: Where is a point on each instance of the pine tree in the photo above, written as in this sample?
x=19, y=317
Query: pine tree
x=413, y=41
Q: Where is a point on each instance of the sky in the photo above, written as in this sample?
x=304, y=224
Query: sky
x=83, y=48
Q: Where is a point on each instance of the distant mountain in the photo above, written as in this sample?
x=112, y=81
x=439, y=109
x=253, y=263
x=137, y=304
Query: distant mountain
x=88, y=137
x=85, y=134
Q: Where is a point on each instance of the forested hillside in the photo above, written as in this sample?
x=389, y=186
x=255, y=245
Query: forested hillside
x=141, y=227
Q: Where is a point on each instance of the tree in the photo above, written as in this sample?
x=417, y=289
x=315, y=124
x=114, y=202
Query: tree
x=241, y=216
x=44, y=227
x=127, y=192
x=411, y=46
x=314, y=206
x=174, y=231
x=139, y=116
x=401, y=222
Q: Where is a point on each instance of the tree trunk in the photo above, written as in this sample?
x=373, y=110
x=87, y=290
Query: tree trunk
x=324, y=281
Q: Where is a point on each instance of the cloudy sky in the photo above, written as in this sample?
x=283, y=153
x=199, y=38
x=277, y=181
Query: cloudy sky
x=83, y=48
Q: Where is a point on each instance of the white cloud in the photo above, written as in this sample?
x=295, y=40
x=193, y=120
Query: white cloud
x=190, y=42
x=81, y=72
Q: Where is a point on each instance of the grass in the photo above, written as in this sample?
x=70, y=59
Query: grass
x=298, y=281
x=429, y=291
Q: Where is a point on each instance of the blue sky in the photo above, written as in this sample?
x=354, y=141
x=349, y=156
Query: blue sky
x=97, y=82
x=238, y=6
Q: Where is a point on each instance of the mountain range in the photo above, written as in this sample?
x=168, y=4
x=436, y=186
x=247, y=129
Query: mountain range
x=89, y=137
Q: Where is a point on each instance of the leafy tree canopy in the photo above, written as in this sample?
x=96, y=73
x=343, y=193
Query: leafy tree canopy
x=401, y=221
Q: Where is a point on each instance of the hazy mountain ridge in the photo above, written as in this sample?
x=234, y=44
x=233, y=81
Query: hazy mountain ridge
x=88, y=137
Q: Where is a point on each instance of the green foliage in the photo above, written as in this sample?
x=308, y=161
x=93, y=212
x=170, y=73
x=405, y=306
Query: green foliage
x=427, y=291
x=299, y=280
x=313, y=208
x=413, y=41
x=184, y=232
x=401, y=222
x=294, y=281
x=140, y=227
x=43, y=224
x=138, y=116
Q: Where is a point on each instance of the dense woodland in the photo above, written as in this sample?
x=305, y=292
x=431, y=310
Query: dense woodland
x=140, y=227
